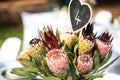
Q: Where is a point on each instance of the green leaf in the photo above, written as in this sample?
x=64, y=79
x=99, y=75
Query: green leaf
x=98, y=75
x=69, y=78
x=72, y=45
x=58, y=35
x=70, y=54
x=107, y=57
x=96, y=61
x=91, y=76
x=50, y=78
x=28, y=62
x=73, y=70
x=39, y=60
x=20, y=73
x=25, y=71
x=75, y=48
x=107, y=65
x=65, y=47
x=44, y=29
x=88, y=76
x=45, y=68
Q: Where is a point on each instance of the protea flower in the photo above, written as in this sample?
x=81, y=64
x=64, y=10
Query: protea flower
x=36, y=48
x=85, y=40
x=24, y=55
x=68, y=37
x=57, y=61
x=49, y=39
x=103, y=42
x=84, y=63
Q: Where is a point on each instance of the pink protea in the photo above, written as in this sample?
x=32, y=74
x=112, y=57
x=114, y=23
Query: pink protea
x=84, y=63
x=103, y=42
x=57, y=61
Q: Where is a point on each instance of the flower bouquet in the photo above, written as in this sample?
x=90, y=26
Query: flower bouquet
x=66, y=55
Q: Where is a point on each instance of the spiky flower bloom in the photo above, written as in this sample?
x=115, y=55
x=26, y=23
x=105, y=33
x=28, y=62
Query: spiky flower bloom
x=36, y=48
x=57, y=61
x=84, y=63
x=49, y=39
x=85, y=40
x=103, y=42
x=68, y=37
x=24, y=55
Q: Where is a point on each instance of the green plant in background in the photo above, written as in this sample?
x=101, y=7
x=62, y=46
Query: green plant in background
x=6, y=32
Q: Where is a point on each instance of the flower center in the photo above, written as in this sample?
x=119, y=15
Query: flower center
x=85, y=59
x=56, y=56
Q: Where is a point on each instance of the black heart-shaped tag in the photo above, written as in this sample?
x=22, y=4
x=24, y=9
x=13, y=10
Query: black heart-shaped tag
x=80, y=14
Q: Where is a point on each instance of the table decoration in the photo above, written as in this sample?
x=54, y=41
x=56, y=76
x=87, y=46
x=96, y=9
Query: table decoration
x=74, y=54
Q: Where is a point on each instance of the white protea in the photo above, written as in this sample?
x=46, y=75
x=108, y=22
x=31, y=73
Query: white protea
x=36, y=48
x=68, y=37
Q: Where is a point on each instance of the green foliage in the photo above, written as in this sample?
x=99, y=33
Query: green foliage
x=6, y=32
x=38, y=67
x=96, y=61
x=100, y=66
x=25, y=71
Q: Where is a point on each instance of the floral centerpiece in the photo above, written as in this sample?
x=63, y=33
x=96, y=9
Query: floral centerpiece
x=66, y=55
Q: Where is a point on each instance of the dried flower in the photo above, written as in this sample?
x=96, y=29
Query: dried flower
x=49, y=39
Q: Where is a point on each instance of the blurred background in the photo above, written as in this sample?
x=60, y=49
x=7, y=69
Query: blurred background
x=12, y=23
x=10, y=13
